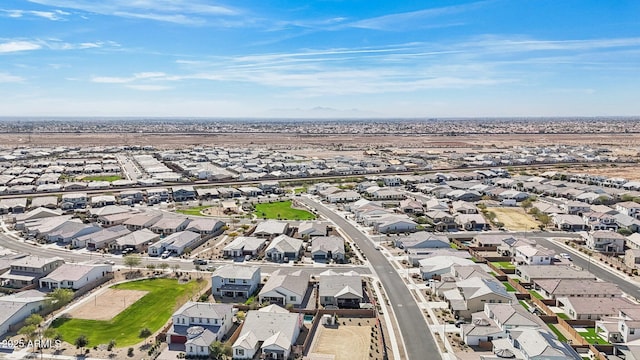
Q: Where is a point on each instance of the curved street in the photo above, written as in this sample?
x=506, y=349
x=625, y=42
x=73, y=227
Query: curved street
x=418, y=340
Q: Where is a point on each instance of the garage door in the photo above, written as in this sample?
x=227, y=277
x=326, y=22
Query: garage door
x=178, y=339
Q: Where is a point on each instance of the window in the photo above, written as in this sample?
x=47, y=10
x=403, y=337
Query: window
x=632, y=331
x=191, y=319
x=292, y=298
x=239, y=351
x=208, y=320
x=231, y=281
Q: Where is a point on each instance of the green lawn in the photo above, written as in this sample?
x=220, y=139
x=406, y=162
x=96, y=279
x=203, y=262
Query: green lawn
x=152, y=311
x=562, y=316
x=453, y=246
x=281, y=210
x=509, y=287
x=300, y=190
x=524, y=304
x=102, y=178
x=504, y=265
x=591, y=336
x=193, y=211
x=560, y=336
x=535, y=294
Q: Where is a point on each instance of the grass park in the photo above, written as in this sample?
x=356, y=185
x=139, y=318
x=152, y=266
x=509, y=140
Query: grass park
x=281, y=210
x=194, y=211
x=151, y=311
x=108, y=178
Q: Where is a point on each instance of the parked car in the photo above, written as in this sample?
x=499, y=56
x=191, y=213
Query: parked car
x=566, y=256
x=200, y=262
x=165, y=254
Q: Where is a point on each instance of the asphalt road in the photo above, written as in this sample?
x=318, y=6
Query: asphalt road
x=418, y=342
x=624, y=285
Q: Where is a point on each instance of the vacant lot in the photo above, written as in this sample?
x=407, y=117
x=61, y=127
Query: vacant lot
x=514, y=218
x=282, y=210
x=107, y=305
x=151, y=311
x=344, y=342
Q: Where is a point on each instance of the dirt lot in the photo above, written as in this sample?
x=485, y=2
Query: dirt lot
x=344, y=342
x=514, y=218
x=338, y=141
x=107, y=304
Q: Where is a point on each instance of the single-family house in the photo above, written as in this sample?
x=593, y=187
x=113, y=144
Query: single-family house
x=243, y=246
x=343, y=196
x=422, y=240
x=587, y=288
x=284, y=247
x=581, y=308
x=138, y=240
x=471, y=294
x=74, y=276
x=15, y=308
x=341, y=290
x=496, y=321
x=533, y=255
x=327, y=247
x=72, y=201
x=531, y=273
x=310, y=229
x=271, y=330
x=199, y=324
x=170, y=224
x=629, y=208
x=182, y=241
x=542, y=344
x=471, y=222
x=102, y=200
x=141, y=221
x=284, y=289
x=28, y=270
x=632, y=258
x=100, y=239
x=606, y=241
x=393, y=224
x=183, y=193
x=69, y=230
x=205, y=227
x=438, y=265
x=270, y=229
x=569, y=222
x=235, y=281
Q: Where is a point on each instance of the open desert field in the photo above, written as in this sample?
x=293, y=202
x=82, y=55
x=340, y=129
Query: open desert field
x=106, y=305
x=514, y=218
x=338, y=141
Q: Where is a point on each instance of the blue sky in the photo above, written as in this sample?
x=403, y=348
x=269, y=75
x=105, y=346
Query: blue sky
x=330, y=58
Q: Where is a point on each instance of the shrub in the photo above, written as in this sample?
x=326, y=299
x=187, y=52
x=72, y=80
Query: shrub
x=130, y=352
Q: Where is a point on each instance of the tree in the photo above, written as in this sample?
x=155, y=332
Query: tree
x=151, y=267
x=81, y=341
x=624, y=232
x=175, y=267
x=164, y=266
x=33, y=319
x=112, y=344
x=219, y=350
x=144, y=332
x=52, y=333
x=60, y=297
x=132, y=260
x=30, y=332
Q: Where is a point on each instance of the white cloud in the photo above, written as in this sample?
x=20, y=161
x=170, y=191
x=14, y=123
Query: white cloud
x=56, y=15
x=8, y=78
x=149, y=87
x=393, y=21
x=14, y=46
x=190, y=12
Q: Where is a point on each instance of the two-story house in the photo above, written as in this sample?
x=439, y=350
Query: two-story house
x=235, y=281
x=28, y=270
x=533, y=255
x=606, y=241
x=196, y=325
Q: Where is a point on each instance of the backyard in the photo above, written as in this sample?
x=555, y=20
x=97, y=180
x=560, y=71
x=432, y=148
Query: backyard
x=281, y=210
x=151, y=311
x=590, y=335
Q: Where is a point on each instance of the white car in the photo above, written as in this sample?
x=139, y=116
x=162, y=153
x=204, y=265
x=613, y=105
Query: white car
x=165, y=254
x=565, y=256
